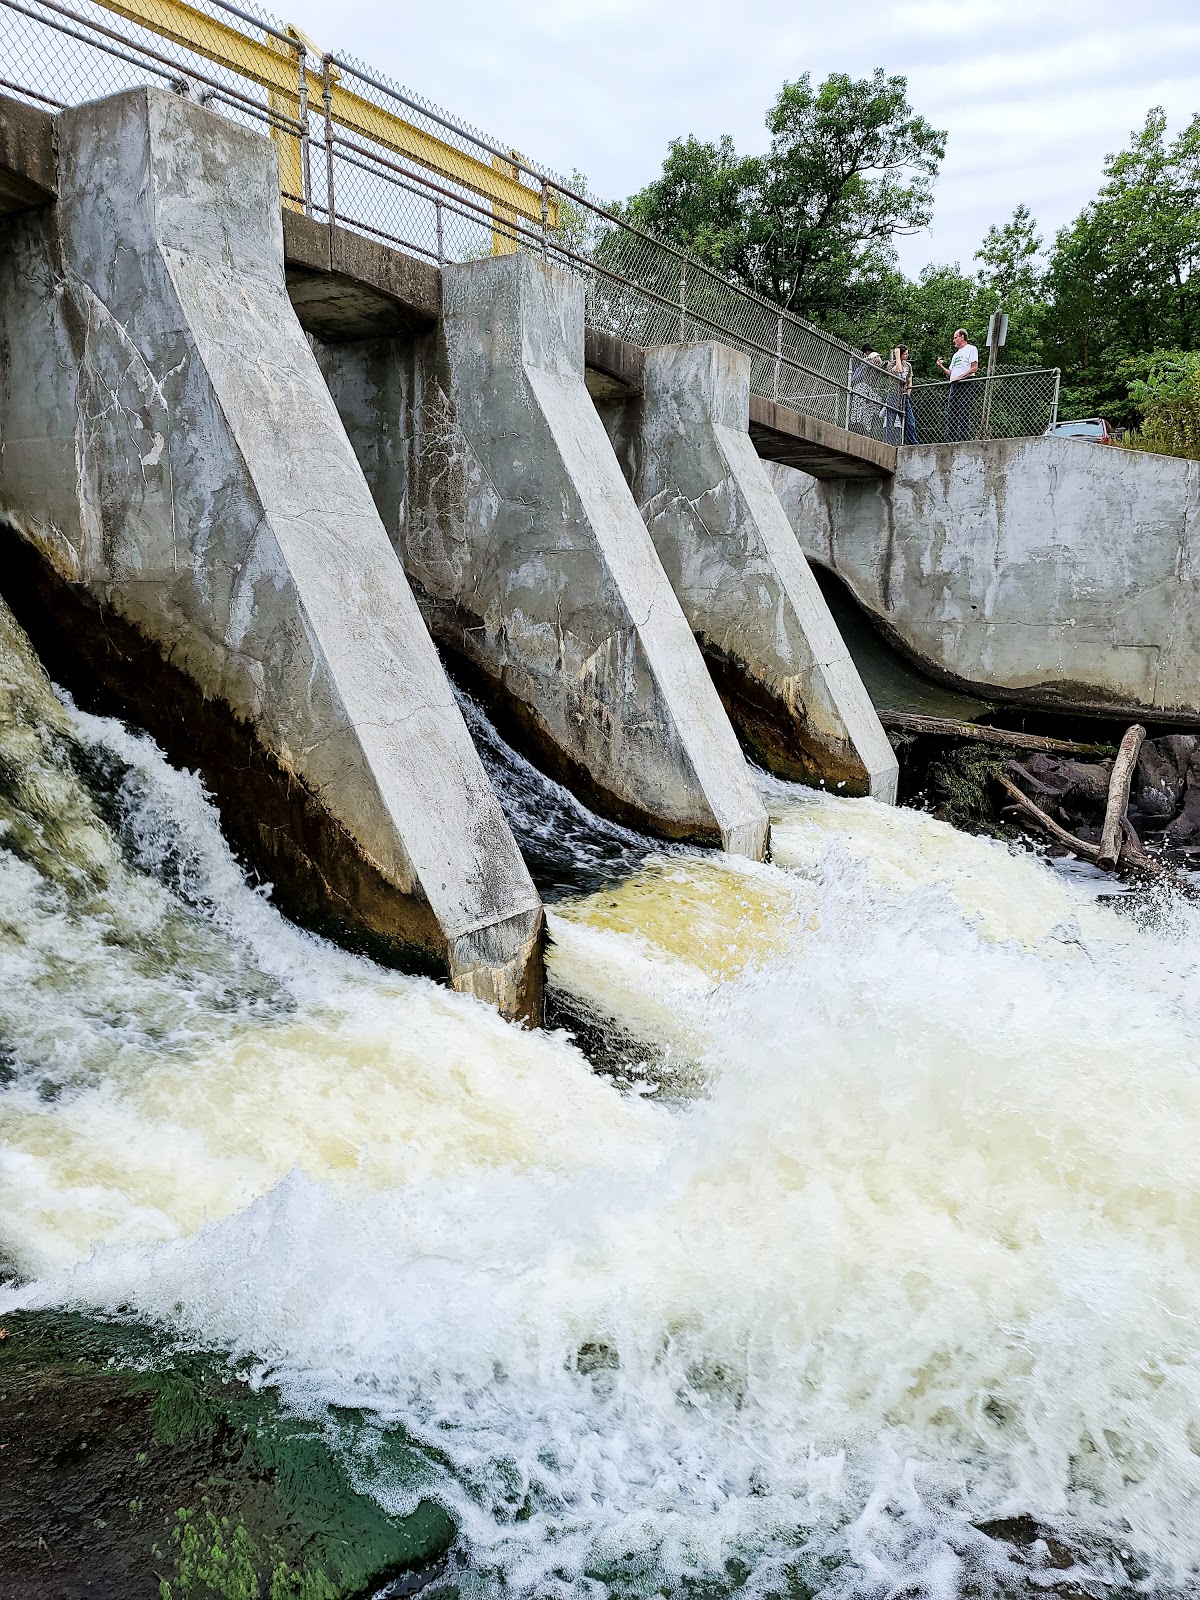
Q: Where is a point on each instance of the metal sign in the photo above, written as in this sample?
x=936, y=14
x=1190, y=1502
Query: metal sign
x=997, y=329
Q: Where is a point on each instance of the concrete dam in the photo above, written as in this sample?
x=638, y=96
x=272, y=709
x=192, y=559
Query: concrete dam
x=256, y=472
x=429, y=606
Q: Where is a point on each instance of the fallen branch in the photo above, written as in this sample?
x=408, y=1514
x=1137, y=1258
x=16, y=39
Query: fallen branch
x=1089, y=852
x=979, y=733
x=1111, y=838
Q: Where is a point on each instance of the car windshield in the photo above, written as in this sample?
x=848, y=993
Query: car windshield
x=1080, y=430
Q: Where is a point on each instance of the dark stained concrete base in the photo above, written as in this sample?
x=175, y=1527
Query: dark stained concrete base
x=275, y=824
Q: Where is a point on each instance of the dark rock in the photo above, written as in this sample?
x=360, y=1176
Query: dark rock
x=1158, y=782
x=1185, y=830
x=1064, y=787
x=1178, y=749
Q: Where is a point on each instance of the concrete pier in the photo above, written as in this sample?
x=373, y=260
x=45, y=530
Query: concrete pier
x=1044, y=571
x=192, y=540
x=532, y=565
x=774, y=651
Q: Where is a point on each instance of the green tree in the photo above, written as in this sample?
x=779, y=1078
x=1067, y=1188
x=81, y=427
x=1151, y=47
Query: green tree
x=1123, y=279
x=1010, y=273
x=812, y=224
x=1011, y=278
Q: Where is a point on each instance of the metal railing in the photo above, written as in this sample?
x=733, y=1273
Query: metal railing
x=1011, y=404
x=363, y=154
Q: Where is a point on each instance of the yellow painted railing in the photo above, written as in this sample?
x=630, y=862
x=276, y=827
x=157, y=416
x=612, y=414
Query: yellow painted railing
x=269, y=63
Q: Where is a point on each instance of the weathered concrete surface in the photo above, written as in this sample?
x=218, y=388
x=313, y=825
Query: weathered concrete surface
x=821, y=449
x=170, y=449
x=774, y=652
x=613, y=368
x=1043, y=571
x=28, y=167
x=345, y=286
x=533, y=567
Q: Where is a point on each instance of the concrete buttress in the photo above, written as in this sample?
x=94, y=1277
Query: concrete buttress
x=530, y=560
x=775, y=653
x=200, y=547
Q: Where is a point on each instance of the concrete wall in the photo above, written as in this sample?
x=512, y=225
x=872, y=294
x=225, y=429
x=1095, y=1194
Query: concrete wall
x=206, y=538
x=785, y=676
x=1046, y=571
x=534, y=569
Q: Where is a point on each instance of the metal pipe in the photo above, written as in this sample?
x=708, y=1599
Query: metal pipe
x=327, y=99
x=305, y=154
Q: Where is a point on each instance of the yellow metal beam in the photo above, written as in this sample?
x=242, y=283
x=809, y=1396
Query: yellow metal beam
x=504, y=238
x=268, y=63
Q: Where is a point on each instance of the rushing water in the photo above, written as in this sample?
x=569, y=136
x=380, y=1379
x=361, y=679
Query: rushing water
x=883, y=1227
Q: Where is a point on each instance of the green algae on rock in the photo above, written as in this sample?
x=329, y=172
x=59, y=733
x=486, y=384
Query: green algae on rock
x=136, y=1468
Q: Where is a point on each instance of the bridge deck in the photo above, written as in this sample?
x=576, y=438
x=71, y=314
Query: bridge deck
x=346, y=286
x=816, y=447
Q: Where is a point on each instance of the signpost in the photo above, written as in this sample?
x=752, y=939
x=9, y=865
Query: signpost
x=997, y=333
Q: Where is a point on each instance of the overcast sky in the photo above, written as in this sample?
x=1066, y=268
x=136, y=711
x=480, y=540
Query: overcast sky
x=1033, y=94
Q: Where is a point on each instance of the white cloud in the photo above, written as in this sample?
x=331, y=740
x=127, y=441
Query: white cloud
x=1034, y=94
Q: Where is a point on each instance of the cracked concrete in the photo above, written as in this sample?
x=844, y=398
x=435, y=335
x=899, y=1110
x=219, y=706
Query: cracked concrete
x=532, y=565
x=208, y=555
x=1042, y=571
x=774, y=651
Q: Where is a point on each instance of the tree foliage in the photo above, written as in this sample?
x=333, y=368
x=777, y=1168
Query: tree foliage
x=850, y=168
x=1122, y=279
x=811, y=225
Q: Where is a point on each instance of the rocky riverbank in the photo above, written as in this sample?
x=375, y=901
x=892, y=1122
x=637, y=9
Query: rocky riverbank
x=136, y=1469
x=970, y=782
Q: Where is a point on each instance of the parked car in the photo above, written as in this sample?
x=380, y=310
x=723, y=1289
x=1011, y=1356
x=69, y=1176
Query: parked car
x=1093, y=428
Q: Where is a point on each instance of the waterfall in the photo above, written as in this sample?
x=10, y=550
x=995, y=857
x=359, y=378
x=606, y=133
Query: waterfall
x=880, y=1229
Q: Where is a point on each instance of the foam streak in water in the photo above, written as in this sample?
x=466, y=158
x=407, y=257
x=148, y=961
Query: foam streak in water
x=919, y=1251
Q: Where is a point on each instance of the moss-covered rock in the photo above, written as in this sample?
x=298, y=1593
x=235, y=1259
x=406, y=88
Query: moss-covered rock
x=133, y=1468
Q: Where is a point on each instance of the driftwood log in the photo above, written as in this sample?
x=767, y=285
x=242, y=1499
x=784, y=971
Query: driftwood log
x=1112, y=835
x=1022, y=802
x=1130, y=856
x=979, y=733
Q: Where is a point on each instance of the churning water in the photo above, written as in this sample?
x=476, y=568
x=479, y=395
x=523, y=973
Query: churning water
x=880, y=1226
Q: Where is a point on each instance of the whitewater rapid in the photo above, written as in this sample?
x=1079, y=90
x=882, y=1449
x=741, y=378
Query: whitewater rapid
x=885, y=1226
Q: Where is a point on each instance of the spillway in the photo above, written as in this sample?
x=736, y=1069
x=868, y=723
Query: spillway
x=874, y=1231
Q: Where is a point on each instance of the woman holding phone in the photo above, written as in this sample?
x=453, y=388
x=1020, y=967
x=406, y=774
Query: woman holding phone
x=902, y=367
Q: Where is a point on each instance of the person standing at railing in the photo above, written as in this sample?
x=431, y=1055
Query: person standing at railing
x=901, y=366
x=964, y=364
x=863, y=383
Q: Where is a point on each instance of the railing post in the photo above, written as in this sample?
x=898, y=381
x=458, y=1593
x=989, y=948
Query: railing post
x=305, y=151
x=682, y=299
x=778, y=351
x=327, y=97
x=441, y=245
x=545, y=217
x=849, y=386
x=1054, y=402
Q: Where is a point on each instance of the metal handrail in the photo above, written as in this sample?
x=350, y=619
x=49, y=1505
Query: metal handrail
x=637, y=285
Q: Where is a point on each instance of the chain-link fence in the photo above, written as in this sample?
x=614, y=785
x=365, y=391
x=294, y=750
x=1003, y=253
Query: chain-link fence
x=364, y=154
x=1011, y=404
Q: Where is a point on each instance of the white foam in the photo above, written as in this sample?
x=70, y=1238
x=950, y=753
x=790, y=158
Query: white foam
x=926, y=1252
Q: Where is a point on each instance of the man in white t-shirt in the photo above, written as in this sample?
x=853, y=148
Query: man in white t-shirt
x=964, y=364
